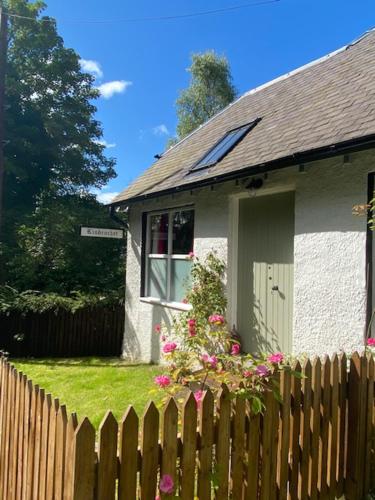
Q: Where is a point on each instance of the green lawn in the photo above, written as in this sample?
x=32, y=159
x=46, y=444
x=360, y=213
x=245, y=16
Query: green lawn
x=91, y=386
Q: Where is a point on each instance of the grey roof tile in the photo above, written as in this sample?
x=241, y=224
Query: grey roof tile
x=329, y=101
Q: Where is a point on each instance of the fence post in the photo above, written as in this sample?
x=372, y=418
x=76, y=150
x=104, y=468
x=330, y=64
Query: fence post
x=357, y=396
x=83, y=465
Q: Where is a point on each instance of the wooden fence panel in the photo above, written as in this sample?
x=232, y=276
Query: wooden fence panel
x=370, y=435
x=320, y=439
x=150, y=452
x=305, y=439
x=223, y=442
x=107, y=458
x=333, y=431
x=189, y=441
x=169, y=441
x=82, y=486
x=324, y=428
x=60, y=451
x=283, y=458
x=96, y=331
x=238, y=447
x=251, y=486
x=128, y=455
x=206, y=430
x=295, y=432
x=315, y=428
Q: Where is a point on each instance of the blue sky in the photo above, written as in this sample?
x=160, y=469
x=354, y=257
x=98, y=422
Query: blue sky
x=144, y=63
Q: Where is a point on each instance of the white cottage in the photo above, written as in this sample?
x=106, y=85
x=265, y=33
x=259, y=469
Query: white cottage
x=269, y=183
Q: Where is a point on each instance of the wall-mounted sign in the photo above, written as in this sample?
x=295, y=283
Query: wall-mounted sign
x=102, y=232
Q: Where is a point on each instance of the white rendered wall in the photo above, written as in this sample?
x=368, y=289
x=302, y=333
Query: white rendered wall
x=210, y=231
x=330, y=257
x=329, y=247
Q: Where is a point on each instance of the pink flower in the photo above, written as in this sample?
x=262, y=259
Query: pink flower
x=216, y=319
x=166, y=484
x=185, y=300
x=169, y=347
x=198, y=395
x=262, y=370
x=157, y=328
x=191, y=255
x=277, y=357
x=157, y=497
x=371, y=342
x=211, y=361
x=247, y=373
x=235, y=349
x=163, y=338
x=162, y=380
x=191, y=325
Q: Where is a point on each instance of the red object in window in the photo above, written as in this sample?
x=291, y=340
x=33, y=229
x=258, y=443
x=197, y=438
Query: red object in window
x=163, y=229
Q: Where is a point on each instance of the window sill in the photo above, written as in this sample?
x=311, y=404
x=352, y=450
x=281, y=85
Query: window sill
x=179, y=306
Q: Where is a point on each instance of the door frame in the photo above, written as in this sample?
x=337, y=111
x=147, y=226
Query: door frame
x=232, y=276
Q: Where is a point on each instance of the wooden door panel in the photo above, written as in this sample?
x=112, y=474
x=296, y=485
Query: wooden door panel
x=265, y=260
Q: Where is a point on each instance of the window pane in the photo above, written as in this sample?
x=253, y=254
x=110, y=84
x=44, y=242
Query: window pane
x=183, y=232
x=157, y=278
x=180, y=279
x=159, y=234
x=229, y=140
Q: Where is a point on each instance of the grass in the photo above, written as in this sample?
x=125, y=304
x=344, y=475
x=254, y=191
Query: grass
x=91, y=386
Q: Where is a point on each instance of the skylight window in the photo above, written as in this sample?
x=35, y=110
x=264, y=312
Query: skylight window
x=224, y=146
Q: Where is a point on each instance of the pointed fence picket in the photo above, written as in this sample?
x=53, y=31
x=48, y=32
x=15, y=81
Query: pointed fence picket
x=317, y=442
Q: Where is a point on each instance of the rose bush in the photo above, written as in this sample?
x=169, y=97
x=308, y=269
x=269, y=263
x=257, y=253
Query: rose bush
x=200, y=351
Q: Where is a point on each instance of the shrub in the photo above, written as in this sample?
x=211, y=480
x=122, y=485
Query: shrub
x=201, y=351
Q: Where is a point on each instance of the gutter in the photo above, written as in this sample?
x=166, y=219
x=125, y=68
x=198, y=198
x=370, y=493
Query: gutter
x=336, y=149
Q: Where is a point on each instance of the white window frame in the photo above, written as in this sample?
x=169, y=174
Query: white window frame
x=169, y=257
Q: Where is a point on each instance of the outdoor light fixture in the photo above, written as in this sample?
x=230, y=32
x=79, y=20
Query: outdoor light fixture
x=255, y=183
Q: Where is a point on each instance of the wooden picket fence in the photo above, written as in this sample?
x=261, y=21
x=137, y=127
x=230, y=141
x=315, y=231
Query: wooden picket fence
x=319, y=443
x=90, y=331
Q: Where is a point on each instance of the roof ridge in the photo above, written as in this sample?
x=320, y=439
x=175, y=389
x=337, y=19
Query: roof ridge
x=271, y=82
x=309, y=65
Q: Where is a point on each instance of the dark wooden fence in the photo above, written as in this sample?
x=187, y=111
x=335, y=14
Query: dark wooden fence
x=94, y=331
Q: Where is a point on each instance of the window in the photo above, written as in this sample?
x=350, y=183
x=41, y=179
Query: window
x=224, y=146
x=170, y=238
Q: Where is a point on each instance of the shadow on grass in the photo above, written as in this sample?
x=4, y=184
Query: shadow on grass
x=80, y=362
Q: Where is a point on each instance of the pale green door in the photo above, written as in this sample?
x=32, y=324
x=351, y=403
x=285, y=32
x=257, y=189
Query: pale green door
x=265, y=272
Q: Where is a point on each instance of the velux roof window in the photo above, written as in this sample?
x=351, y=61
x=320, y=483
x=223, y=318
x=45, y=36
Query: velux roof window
x=224, y=146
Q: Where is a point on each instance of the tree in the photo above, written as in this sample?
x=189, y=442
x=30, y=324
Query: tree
x=52, y=135
x=210, y=90
x=53, y=154
x=51, y=256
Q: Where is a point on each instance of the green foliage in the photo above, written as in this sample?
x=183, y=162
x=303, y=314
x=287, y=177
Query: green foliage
x=210, y=90
x=34, y=301
x=200, y=351
x=51, y=256
x=53, y=158
x=52, y=135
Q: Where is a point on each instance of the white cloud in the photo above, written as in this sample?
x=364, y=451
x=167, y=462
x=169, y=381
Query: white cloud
x=106, y=197
x=109, y=89
x=92, y=67
x=160, y=130
x=106, y=144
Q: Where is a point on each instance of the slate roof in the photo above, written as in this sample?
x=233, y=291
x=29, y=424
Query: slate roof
x=329, y=101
